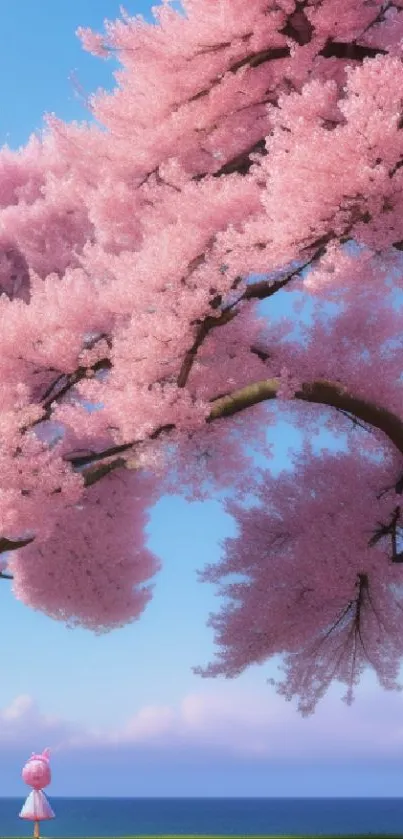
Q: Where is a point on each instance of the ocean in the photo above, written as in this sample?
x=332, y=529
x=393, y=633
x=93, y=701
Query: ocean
x=117, y=817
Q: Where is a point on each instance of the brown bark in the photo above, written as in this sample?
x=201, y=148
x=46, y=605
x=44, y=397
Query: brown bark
x=320, y=392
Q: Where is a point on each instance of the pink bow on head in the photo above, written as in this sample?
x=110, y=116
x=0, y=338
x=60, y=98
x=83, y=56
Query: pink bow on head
x=44, y=756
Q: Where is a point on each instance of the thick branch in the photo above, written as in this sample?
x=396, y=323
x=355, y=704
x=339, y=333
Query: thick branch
x=320, y=393
x=352, y=51
x=81, y=460
x=91, y=476
x=10, y=545
x=241, y=163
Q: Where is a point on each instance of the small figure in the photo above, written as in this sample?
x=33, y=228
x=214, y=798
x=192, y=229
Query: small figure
x=36, y=773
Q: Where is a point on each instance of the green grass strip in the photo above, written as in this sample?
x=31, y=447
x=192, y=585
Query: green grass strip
x=246, y=836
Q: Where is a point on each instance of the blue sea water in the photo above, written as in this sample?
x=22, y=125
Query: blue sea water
x=86, y=817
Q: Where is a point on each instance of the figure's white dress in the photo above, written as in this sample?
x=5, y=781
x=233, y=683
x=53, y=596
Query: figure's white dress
x=37, y=807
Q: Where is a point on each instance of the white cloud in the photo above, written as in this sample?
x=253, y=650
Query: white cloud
x=22, y=724
x=21, y=706
x=151, y=722
x=226, y=720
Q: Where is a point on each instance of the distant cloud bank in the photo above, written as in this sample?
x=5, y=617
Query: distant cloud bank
x=222, y=720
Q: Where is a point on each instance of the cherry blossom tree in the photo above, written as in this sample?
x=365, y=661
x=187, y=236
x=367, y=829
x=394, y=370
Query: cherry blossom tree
x=247, y=151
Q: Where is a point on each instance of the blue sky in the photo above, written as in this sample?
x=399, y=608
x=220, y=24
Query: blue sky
x=129, y=700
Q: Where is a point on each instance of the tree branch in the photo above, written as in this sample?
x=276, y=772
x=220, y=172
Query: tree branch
x=7, y=545
x=352, y=51
x=392, y=529
x=241, y=163
x=356, y=423
x=253, y=60
x=205, y=327
x=10, y=545
x=319, y=392
x=68, y=381
x=260, y=290
x=78, y=461
x=91, y=476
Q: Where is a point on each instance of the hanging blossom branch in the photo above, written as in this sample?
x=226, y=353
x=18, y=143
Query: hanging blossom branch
x=329, y=394
x=350, y=618
x=342, y=642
